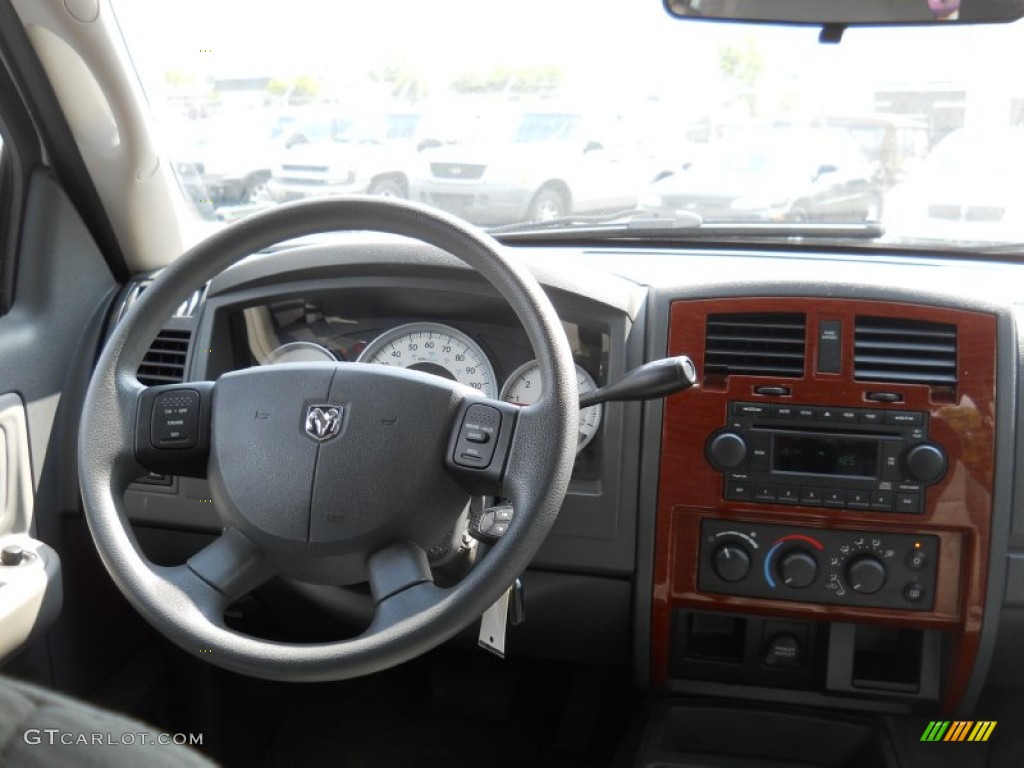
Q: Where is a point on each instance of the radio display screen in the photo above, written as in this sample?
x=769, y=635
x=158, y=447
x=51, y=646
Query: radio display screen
x=825, y=455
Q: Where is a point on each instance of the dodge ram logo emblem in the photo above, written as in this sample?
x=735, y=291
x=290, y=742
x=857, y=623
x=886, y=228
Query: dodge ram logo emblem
x=323, y=421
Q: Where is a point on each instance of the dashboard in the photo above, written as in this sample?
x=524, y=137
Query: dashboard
x=828, y=518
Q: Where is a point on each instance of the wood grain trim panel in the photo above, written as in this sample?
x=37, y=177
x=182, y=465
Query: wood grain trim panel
x=957, y=509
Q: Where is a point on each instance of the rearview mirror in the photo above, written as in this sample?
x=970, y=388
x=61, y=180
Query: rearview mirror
x=831, y=13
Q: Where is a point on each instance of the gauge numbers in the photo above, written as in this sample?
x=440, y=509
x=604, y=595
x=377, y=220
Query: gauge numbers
x=434, y=348
x=523, y=388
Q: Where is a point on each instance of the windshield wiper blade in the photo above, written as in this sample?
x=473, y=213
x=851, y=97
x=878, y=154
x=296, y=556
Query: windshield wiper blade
x=571, y=221
x=638, y=227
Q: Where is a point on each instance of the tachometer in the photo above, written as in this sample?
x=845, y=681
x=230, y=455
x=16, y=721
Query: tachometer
x=434, y=348
x=523, y=388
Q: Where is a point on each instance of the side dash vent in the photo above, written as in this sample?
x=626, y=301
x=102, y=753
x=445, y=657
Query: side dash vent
x=755, y=344
x=164, y=363
x=904, y=351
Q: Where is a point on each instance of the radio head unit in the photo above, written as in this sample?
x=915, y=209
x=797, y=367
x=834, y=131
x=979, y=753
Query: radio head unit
x=850, y=458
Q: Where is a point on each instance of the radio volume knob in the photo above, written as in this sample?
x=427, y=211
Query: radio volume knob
x=925, y=463
x=731, y=562
x=865, y=574
x=727, y=450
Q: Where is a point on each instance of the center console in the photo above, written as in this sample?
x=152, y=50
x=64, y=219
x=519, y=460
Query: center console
x=824, y=502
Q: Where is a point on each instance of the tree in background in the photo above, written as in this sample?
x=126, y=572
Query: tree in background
x=743, y=66
x=534, y=80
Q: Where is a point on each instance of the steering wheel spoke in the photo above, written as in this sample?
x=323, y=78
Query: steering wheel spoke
x=232, y=565
x=172, y=429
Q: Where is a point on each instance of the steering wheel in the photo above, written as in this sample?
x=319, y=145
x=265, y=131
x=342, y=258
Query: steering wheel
x=295, y=454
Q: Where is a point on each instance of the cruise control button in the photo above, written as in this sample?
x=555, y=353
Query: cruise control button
x=175, y=421
x=475, y=445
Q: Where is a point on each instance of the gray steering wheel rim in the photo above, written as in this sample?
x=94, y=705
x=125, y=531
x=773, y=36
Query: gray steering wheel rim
x=414, y=620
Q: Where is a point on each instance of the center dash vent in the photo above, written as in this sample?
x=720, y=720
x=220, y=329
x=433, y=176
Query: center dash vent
x=164, y=363
x=904, y=351
x=755, y=344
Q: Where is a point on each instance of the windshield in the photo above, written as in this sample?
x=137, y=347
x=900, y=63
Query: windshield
x=546, y=112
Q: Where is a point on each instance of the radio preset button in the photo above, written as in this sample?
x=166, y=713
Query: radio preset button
x=881, y=501
x=810, y=497
x=787, y=494
x=858, y=499
x=764, y=492
x=834, y=498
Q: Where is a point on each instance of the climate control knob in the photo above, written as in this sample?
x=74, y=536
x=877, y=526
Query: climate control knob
x=798, y=568
x=731, y=562
x=865, y=574
x=925, y=463
x=727, y=450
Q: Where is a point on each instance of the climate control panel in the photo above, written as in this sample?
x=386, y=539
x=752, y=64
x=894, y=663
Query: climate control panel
x=835, y=567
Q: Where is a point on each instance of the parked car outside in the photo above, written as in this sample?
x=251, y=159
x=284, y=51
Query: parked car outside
x=370, y=155
x=778, y=174
x=536, y=165
x=968, y=187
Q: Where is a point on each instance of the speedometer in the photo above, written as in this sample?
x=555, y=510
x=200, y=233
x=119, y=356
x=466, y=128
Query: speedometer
x=437, y=349
x=523, y=388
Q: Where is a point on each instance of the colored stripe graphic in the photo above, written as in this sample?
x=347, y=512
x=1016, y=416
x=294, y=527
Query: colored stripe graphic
x=959, y=730
x=982, y=730
x=935, y=730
